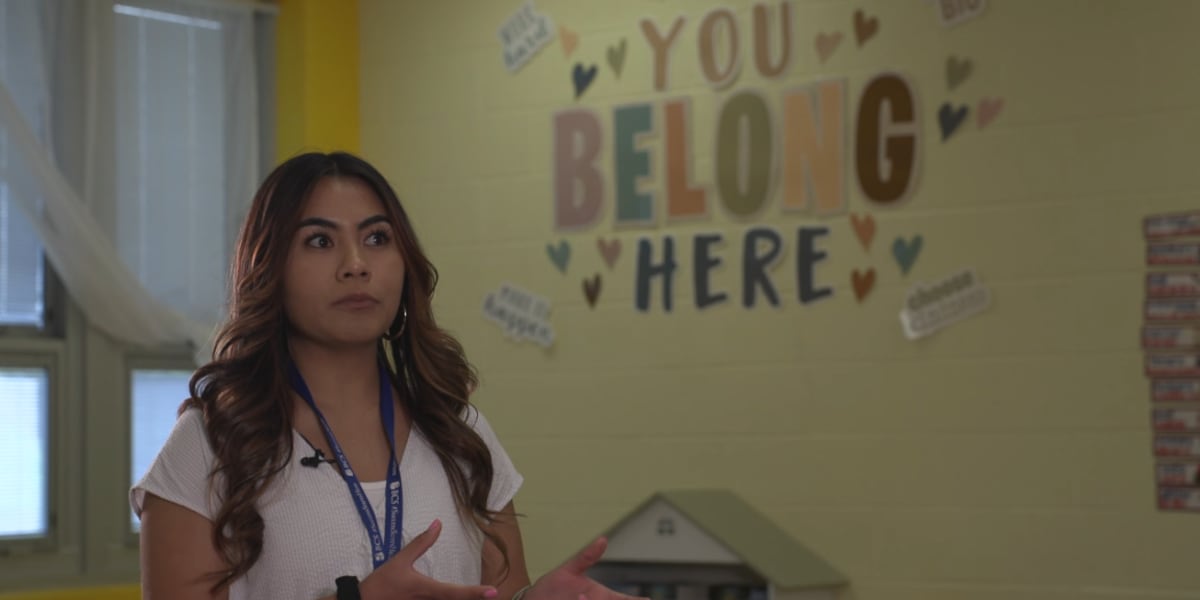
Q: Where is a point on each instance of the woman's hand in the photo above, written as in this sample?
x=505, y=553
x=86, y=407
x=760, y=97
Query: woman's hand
x=569, y=581
x=397, y=579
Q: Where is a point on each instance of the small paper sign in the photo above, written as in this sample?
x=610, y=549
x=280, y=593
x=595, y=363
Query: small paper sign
x=1176, y=419
x=1173, y=498
x=1172, y=365
x=523, y=315
x=1177, y=474
x=1173, y=254
x=1175, y=390
x=956, y=12
x=929, y=308
x=523, y=34
x=1185, y=309
x=1166, y=285
x=1170, y=337
x=1171, y=225
x=1176, y=445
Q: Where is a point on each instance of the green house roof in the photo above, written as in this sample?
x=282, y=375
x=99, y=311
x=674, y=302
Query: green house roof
x=749, y=535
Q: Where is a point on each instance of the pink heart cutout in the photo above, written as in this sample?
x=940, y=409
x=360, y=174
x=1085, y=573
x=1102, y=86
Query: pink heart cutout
x=988, y=109
x=827, y=43
x=610, y=250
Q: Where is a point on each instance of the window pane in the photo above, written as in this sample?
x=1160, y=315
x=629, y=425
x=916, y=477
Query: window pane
x=24, y=433
x=21, y=264
x=154, y=405
x=171, y=199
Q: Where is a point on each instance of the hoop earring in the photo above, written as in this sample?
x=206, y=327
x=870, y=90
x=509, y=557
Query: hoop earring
x=403, y=324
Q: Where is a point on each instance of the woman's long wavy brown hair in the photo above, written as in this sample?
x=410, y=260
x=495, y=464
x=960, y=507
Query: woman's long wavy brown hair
x=244, y=391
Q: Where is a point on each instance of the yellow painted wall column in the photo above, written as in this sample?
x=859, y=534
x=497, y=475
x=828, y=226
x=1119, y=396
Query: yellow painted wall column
x=317, y=66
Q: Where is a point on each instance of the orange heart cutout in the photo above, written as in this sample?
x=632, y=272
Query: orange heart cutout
x=864, y=229
x=569, y=40
x=863, y=282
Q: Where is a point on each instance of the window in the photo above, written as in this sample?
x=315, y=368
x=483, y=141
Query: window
x=171, y=97
x=22, y=274
x=156, y=396
x=24, y=433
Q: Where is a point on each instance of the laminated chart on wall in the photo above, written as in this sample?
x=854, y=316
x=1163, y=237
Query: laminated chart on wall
x=1170, y=341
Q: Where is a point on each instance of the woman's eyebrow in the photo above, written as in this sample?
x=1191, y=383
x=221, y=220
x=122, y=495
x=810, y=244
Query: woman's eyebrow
x=327, y=224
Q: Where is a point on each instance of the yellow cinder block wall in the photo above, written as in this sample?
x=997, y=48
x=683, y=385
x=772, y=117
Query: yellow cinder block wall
x=1007, y=456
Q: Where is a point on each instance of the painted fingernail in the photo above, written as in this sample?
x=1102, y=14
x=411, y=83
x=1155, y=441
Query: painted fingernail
x=492, y=593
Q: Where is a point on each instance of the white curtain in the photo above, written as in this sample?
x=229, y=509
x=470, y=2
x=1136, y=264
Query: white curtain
x=164, y=147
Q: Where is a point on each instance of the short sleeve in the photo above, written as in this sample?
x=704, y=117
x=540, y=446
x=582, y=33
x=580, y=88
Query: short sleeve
x=180, y=472
x=505, y=478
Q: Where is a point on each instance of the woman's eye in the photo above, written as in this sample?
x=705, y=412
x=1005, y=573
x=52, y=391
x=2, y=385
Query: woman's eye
x=319, y=241
x=378, y=238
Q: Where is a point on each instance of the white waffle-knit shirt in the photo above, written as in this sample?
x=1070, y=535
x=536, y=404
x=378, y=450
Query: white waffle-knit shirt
x=313, y=533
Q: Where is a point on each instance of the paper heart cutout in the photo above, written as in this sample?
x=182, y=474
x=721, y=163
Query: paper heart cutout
x=949, y=118
x=569, y=40
x=591, y=289
x=865, y=27
x=827, y=43
x=610, y=250
x=988, y=109
x=864, y=229
x=906, y=252
x=616, y=57
x=862, y=282
x=560, y=255
x=583, y=77
x=957, y=71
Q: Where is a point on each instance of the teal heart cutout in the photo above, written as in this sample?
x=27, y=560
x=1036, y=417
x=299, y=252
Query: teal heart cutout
x=560, y=255
x=906, y=252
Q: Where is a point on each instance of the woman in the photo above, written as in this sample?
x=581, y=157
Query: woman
x=330, y=443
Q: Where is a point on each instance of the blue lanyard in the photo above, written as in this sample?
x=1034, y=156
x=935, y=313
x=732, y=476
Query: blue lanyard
x=395, y=496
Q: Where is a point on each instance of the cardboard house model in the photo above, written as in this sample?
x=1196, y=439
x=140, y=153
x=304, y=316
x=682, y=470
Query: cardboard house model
x=710, y=545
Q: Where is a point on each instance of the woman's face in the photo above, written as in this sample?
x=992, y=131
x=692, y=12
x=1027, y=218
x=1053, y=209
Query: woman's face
x=345, y=276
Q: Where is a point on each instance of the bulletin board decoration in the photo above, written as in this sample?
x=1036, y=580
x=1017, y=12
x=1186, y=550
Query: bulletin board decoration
x=862, y=282
x=560, y=255
x=582, y=77
x=1173, y=253
x=591, y=289
x=906, y=251
x=610, y=250
x=1170, y=337
x=1178, y=474
x=865, y=27
x=826, y=44
x=932, y=307
x=1172, y=284
x=1172, y=309
x=951, y=13
x=1175, y=390
x=523, y=34
x=521, y=314
x=1176, y=419
x=951, y=117
x=569, y=40
x=1176, y=446
x=957, y=71
x=1180, y=224
x=1173, y=364
x=616, y=57
x=864, y=229
x=988, y=110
